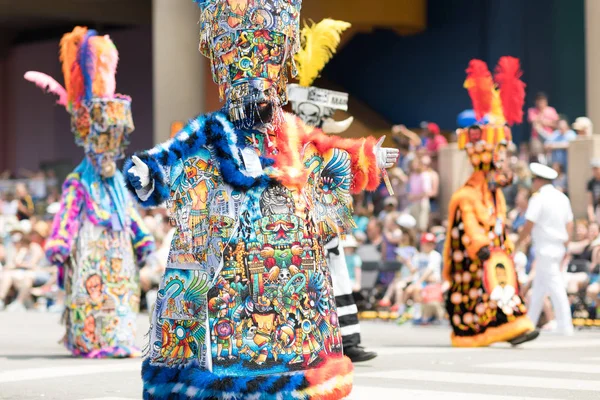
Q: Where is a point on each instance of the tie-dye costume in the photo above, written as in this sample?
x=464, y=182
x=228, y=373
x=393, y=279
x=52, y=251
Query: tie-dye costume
x=98, y=237
x=483, y=301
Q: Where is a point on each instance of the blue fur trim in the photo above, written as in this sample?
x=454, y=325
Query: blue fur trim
x=206, y=130
x=86, y=63
x=161, y=190
x=162, y=383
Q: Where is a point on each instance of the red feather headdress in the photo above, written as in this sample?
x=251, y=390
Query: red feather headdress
x=512, y=89
x=480, y=85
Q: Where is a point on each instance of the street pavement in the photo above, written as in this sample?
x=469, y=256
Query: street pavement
x=413, y=363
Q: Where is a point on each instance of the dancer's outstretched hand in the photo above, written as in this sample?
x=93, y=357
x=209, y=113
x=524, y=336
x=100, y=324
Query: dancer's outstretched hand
x=386, y=156
x=139, y=174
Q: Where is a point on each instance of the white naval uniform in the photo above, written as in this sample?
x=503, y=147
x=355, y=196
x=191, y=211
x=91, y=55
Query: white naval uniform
x=550, y=211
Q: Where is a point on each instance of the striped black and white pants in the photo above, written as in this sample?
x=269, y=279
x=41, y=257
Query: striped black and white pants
x=342, y=289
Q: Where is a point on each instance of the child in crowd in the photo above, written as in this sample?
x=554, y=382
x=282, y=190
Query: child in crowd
x=404, y=252
x=392, y=234
x=353, y=262
x=426, y=266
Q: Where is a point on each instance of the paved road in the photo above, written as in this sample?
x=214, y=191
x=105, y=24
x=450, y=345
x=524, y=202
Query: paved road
x=414, y=363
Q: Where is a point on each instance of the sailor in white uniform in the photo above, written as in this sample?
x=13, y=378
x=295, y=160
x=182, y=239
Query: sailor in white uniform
x=550, y=223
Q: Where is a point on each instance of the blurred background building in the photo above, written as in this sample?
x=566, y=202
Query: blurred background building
x=403, y=62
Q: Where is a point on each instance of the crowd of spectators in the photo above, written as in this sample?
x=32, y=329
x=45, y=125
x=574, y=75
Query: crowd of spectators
x=394, y=254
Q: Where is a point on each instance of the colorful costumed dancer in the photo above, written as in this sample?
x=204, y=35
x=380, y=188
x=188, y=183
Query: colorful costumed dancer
x=483, y=300
x=97, y=237
x=316, y=106
x=245, y=309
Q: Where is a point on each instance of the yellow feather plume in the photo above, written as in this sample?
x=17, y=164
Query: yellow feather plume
x=496, y=114
x=319, y=43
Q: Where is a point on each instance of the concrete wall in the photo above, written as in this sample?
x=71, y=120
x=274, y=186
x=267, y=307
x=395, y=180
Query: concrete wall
x=178, y=65
x=592, y=48
x=581, y=152
x=454, y=172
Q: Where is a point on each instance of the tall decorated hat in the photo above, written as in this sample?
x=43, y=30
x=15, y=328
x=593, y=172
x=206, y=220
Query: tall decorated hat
x=251, y=45
x=315, y=106
x=498, y=100
x=100, y=119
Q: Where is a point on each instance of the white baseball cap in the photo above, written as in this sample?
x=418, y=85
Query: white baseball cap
x=582, y=123
x=406, y=221
x=543, y=171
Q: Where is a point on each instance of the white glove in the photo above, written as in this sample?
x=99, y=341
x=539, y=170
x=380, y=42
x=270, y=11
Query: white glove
x=139, y=170
x=386, y=156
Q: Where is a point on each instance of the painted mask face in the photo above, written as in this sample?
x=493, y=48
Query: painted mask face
x=501, y=174
x=102, y=127
x=250, y=44
x=475, y=134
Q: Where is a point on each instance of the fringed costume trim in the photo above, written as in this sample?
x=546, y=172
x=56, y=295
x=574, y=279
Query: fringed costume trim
x=331, y=381
x=292, y=136
x=502, y=333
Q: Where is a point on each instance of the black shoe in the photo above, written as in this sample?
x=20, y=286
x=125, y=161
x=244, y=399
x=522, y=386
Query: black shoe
x=358, y=354
x=526, y=337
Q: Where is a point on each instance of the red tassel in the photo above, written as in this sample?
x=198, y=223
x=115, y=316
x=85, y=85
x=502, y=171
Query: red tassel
x=480, y=86
x=512, y=89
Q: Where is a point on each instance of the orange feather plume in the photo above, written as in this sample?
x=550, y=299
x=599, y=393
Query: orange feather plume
x=512, y=89
x=69, y=47
x=106, y=58
x=480, y=85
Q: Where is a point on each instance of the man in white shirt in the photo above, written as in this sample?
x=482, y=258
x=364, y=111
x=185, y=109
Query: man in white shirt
x=550, y=223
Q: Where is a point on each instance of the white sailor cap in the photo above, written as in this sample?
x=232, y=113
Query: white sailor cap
x=543, y=171
x=406, y=221
x=595, y=163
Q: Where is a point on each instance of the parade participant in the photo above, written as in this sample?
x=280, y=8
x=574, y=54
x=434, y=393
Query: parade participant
x=316, y=106
x=478, y=254
x=254, y=192
x=97, y=238
x=550, y=224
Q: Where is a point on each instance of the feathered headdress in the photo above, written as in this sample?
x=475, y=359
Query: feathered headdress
x=89, y=64
x=500, y=98
x=319, y=43
x=480, y=85
x=512, y=89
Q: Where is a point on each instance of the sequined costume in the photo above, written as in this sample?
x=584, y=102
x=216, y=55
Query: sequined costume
x=483, y=301
x=245, y=309
x=97, y=238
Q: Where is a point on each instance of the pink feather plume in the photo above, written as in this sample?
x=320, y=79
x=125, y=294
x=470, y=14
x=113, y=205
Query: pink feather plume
x=49, y=84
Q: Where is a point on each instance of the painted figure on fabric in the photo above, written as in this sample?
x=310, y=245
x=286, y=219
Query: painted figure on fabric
x=483, y=301
x=248, y=188
x=98, y=238
x=316, y=106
